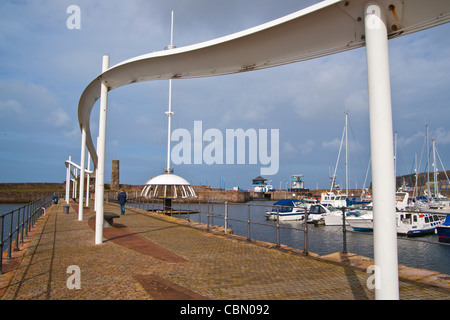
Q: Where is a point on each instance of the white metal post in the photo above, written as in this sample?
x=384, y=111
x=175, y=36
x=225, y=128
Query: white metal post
x=96, y=184
x=68, y=181
x=82, y=164
x=75, y=183
x=381, y=138
x=169, y=114
x=101, y=156
x=88, y=180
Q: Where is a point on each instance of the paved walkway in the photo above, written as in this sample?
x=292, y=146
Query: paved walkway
x=150, y=256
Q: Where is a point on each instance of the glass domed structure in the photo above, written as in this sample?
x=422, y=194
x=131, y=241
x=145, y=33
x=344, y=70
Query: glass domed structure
x=168, y=185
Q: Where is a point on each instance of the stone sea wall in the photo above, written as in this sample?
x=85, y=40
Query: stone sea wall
x=26, y=192
x=224, y=195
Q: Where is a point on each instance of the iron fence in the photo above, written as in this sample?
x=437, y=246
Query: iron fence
x=209, y=212
x=15, y=225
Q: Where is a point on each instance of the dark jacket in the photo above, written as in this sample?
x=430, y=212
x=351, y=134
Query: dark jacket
x=122, y=197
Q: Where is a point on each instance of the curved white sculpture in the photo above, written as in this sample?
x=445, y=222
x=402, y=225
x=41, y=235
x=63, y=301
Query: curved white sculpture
x=329, y=27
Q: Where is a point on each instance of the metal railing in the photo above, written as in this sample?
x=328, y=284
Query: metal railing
x=15, y=225
x=212, y=210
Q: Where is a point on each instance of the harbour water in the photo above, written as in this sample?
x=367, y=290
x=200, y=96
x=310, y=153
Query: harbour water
x=424, y=252
x=6, y=207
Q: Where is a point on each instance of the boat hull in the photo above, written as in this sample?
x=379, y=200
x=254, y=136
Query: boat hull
x=295, y=216
x=418, y=232
x=334, y=220
x=360, y=224
x=443, y=233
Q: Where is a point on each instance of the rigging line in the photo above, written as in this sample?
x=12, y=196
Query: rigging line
x=400, y=156
x=420, y=164
x=367, y=173
x=356, y=147
x=413, y=174
x=337, y=161
x=425, y=175
x=440, y=160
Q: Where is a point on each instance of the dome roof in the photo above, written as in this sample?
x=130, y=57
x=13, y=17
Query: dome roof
x=167, y=179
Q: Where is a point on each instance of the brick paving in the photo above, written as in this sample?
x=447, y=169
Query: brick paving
x=147, y=256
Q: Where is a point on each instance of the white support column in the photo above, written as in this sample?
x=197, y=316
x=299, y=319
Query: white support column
x=101, y=156
x=88, y=180
x=82, y=165
x=96, y=184
x=68, y=182
x=381, y=138
x=75, y=184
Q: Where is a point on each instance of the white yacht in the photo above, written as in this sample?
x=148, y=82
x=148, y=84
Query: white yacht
x=287, y=210
x=318, y=212
x=408, y=223
x=336, y=200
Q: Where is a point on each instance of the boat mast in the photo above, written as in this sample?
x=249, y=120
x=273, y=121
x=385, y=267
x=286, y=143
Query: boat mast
x=416, y=175
x=395, y=159
x=346, y=153
x=428, y=166
x=344, y=134
x=435, y=170
x=365, y=179
x=339, y=155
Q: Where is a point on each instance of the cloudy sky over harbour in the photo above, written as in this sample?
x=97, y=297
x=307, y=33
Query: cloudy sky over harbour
x=45, y=66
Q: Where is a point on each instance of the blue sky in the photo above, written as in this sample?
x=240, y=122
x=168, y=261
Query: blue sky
x=44, y=68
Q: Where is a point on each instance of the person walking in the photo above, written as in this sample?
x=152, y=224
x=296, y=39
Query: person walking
x=122, y=198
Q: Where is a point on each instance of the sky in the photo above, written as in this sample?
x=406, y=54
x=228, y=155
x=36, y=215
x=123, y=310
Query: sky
x=45, y=66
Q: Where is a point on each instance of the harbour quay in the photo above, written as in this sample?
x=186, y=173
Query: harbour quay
x=151, y=256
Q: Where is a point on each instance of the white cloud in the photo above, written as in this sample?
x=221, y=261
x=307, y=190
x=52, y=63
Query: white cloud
x=331, y=85
x=288, y=148
x=10, y=106
x=307, y=147
x=442, y=136
x=58, y=118
x=416, y=138
x=332, y=145
x=29, y=103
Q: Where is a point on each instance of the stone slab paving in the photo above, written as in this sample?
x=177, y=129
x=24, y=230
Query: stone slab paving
x=148, y=256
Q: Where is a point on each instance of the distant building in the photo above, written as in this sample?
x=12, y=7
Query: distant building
x=260, y=185
x=297, y=182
